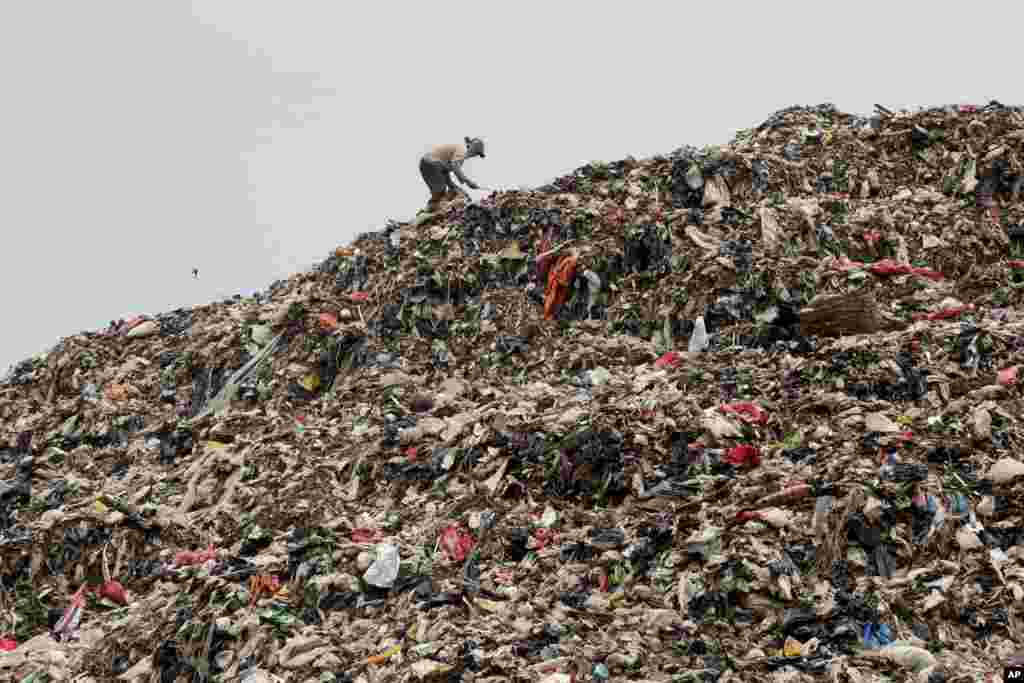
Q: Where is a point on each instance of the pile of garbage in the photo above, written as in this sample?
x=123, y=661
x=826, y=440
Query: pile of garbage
x=735, y=412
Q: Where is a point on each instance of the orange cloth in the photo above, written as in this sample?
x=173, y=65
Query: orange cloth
x=559, y=279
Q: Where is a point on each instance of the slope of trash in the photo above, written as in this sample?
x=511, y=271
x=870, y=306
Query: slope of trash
x=729, y=413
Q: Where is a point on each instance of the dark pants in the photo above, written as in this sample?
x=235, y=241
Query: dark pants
x=437, y=178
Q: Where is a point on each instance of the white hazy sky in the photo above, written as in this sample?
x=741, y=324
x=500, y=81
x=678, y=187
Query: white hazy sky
x=247, y=138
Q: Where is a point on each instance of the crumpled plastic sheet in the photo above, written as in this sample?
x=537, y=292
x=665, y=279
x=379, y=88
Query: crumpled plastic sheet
x=351, y=272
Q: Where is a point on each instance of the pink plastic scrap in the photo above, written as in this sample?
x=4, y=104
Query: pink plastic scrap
x=844, y=263
x=744, y=454
x=363, y=535
x=884, y=267
x=189, y=557
x=114, y=591
x=67, y=628
x=544, y=537
x=134, y=321
x=890, y=267
x=456, y=542
x=748, y=412
x=670, y=359
x=946, y=313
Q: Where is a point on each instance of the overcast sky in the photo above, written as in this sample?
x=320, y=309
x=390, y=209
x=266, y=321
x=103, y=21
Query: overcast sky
x=247, y=138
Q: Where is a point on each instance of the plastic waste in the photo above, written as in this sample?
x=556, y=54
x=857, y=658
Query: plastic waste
x=743, y=455
x=366, y=535
x=876, y=636
x=385, y=655
x=608, y=538
x=67, y=628
x=487, y=520
x=328, y=322
x=894, y=470
x=791, y=648
x=945, y=313
x=384, y=569
x=456, y=542
x=187, y=558
x=670, y=359
x=114, y=591
x=672, y=488
x=471, y=574
x=748, y=412
x=599, y=376
x=901, y=653
x=699, y=339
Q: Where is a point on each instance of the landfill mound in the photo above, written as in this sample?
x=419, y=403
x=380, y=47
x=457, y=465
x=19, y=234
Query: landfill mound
x=735, y=412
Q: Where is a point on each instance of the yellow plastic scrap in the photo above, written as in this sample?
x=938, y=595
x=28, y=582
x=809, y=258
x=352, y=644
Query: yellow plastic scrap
x=311, y=382
x=791, y=648
x=490, y=605
x=384, y=656
x=100, y=507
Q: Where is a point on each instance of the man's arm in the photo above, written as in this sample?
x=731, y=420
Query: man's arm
x=457, y=170
x=452, y=187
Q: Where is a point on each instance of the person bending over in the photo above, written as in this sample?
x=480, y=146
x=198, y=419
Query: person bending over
x=438, y=165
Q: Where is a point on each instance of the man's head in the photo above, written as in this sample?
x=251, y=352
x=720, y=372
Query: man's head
x=475, y=148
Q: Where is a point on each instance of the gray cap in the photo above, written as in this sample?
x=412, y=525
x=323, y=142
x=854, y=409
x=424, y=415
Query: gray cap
x=475, y=147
